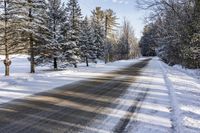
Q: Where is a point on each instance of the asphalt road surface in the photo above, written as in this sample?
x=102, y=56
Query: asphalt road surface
x=83, y=106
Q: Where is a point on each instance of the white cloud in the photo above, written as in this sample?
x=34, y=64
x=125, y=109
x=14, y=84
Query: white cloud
x=120, y=1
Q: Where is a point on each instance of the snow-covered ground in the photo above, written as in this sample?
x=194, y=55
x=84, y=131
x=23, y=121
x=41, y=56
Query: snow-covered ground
x=195, y=73
x=186, y=92
x=171, y=104
x=21, y=83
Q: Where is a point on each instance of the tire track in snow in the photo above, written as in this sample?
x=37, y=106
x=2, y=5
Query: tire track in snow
x=121, y=126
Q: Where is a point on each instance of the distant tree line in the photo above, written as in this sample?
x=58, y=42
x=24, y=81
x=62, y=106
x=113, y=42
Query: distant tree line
x=51, y=31
x=173, y=32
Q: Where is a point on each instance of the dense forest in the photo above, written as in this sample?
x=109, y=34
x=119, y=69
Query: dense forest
x=173, y=32
x=51, y=31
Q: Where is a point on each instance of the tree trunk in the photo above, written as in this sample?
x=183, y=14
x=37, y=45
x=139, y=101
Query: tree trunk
x=106, y=60
x=86, y=60
x=7, y=62
x=106, y=57
x=7, y=70
x=106, y=44
x=75, y=65
x=55, y=63
x=32, y=56
x=31, y=41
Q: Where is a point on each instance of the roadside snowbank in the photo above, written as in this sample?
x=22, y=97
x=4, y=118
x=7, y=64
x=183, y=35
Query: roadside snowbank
x=193, y=72
x=172, y=103
x=187, y=93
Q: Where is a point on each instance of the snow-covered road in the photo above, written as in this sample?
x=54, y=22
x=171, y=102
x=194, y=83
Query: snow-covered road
x=146, y=97
x=172, y=103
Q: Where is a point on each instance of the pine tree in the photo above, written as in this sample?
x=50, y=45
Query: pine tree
x=111, y=17
x=147, y=42
x=87, y=45
x=9, y=35
x=110, y=24
x=32, y=16
x=98, y=28
x=99, y=40
x=4, y=36
x=71, y=48
x=56, y=23
x=98, y=15
x=107, y=20
x=176, y=31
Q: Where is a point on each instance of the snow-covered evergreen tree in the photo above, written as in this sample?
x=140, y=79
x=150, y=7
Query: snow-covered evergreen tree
x=147, y=42
x=176, y=31
x=9, y=35
x=71, y=48
x=5, y=24
x=87, y=45
x=32, y=16
x=99, y=32
x=56, y=23
x=99, y=40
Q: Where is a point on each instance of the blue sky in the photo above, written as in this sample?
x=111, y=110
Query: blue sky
x=123, y=8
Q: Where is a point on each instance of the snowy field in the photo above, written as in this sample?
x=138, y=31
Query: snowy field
x=172, y=102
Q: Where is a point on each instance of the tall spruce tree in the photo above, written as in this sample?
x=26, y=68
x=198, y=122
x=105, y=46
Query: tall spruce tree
x=147, y=42
x=71, y=48
x=87, y=45
x=56, y=22
x=98, y=28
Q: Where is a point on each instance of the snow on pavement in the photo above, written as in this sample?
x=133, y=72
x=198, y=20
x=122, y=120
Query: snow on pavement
x=21, y=83
x=154, y=115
